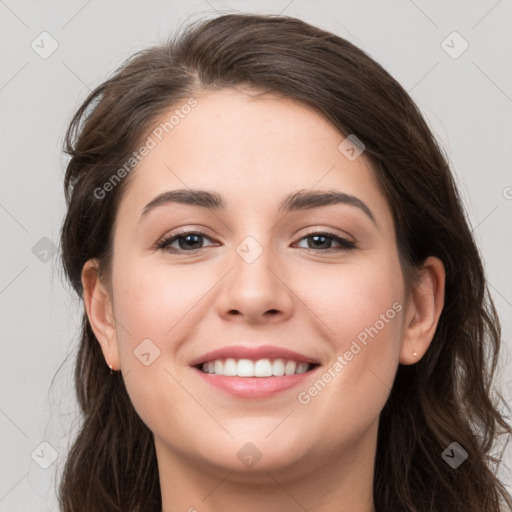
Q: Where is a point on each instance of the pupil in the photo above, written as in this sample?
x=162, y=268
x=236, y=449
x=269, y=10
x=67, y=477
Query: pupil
x=316, y=237
x=186, y=238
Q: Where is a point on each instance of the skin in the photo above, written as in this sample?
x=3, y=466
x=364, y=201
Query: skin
x=254, y=151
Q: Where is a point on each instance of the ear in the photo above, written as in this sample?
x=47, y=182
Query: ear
x=423, y=311
x=98, y=305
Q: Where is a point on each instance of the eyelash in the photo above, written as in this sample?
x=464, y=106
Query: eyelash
x=346, y=245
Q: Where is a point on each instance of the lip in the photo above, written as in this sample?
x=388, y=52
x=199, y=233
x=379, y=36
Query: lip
x=254, y=353
x=254, y=387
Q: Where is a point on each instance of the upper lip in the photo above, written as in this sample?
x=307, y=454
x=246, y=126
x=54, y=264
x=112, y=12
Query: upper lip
x=254, y=353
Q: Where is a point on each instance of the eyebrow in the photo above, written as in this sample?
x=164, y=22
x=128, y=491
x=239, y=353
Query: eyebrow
x=299, y=200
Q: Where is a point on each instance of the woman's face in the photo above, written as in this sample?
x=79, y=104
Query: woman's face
x=261, y=283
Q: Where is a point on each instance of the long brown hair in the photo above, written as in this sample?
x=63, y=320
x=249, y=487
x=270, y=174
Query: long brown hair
x=447, y=396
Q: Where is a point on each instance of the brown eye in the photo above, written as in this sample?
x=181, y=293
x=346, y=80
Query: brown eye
x=323, y=242
x=188, y=241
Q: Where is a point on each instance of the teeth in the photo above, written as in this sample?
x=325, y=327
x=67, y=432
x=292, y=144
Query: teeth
x=230, y=368
x=261, y=368
x=245, y=368
x=290, y=367
x=278, y=367
x=302, y=368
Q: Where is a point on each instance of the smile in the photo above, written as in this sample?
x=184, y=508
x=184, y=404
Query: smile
x=260, y=368
x=250, y=371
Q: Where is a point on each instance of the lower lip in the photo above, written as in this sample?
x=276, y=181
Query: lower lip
x=254, y=387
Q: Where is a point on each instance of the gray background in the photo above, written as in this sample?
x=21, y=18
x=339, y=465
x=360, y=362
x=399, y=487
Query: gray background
x=467, y=101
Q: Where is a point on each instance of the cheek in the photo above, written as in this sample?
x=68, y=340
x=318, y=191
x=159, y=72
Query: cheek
x=357, y=302
x=361, y=311
x=156, y=307
x=151, y=301
x=151, y=307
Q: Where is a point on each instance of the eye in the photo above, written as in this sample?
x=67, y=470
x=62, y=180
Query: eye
x=191, y=241
x=188, y=241
x=321, y=239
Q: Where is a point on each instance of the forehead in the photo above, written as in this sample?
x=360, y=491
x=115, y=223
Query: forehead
x=253, y=148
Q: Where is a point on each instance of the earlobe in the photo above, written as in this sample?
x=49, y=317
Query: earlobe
x=424, y=309
x=98, y=306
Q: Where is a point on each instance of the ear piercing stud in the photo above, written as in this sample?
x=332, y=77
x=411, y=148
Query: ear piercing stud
x=110, y=366
x=414, y=354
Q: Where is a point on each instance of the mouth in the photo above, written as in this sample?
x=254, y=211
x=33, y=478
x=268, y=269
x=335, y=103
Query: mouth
x=254, y=372
x=260, y=368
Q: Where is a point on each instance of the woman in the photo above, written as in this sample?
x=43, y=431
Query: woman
x=284, y=307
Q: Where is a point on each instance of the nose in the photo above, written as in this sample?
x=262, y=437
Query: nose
x=257, y=289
